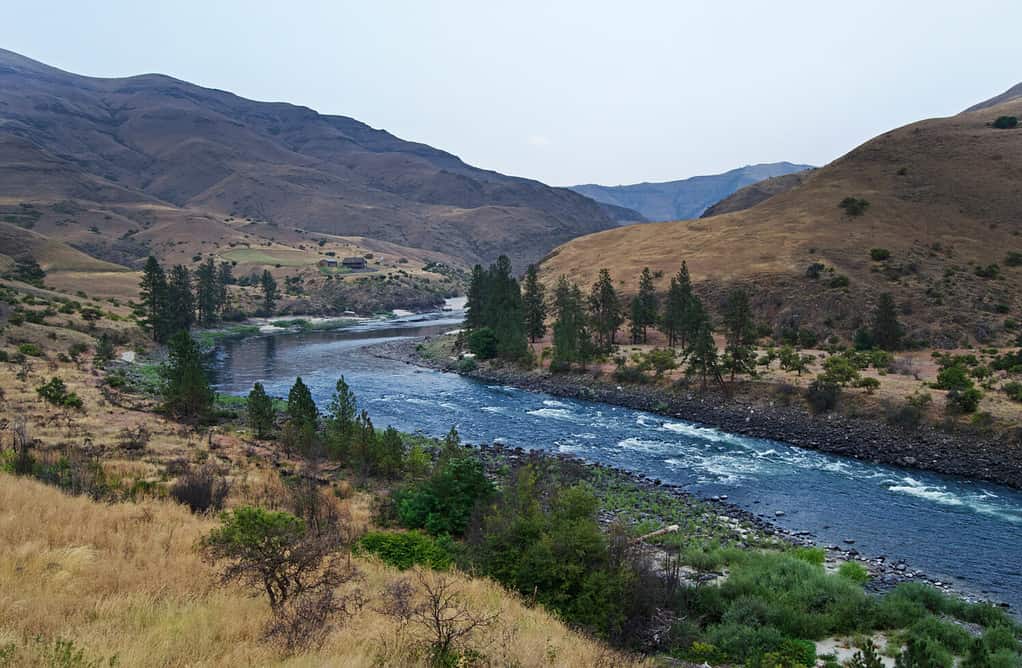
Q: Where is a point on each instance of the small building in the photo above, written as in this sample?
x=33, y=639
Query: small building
x=329, y=262
x=354, y=263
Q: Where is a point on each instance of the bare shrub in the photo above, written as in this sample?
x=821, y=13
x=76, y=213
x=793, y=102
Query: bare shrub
x=448, y=623
x=135, y=439
x=203, y=489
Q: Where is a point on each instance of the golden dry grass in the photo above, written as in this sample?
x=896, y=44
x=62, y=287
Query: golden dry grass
x=124, y=580
x=943, y=197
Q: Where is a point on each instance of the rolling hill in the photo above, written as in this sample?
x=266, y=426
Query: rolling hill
x=150, y=151
x=751, y=195
x=944, y=213
x=684, y=199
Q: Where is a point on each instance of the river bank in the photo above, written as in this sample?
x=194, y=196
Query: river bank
x=866, y=438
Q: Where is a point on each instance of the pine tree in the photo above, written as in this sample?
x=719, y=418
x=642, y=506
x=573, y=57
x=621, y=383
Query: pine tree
x=739, y=333
x=679, y=309
x=534, y=299
x=475, y=303
x=636, y=318
x=260, y=411
x=390, y=452
x=605, y=310
x=270, y=294
x=301, y=409
x=702, y=355
x=180, y=314
x=363, y=447
x=505, y=312
x=342, y=412
x=692, y=321
x=887, y=331
x=153, y=292
x=207, y=293
x=649, y=303
x=568, y=323
x=186, y=391
x=224, y=278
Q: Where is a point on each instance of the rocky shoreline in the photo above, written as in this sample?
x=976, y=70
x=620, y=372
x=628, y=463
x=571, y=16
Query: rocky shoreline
x=885, y=572
x=872, y=440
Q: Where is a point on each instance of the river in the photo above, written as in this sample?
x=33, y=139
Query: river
x=960, y=531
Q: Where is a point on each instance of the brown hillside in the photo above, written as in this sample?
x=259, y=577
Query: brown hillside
x=751, y=195
x=139, y=148
x=944, y=199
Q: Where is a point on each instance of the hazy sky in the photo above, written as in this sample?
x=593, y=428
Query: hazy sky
x=566, y=92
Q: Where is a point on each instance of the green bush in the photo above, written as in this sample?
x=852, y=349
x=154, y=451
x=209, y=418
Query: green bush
x=839, y=281
x=1006, y=122
x=879, y=254
x=55, y=392
x=854, y=571
x=406, y=549
x=1013, y=390
x=854, y=206
x=822, y=395
x=467, y=365
x=444, y=503
x=811, y=555
x=30, y=349
x=964, y=400
x=1013, y=259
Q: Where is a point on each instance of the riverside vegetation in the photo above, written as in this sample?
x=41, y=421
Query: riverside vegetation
x=676, y=340
x=316, y=514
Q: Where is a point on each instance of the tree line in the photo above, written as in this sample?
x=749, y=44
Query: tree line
x=503, y=318
x=176, y=301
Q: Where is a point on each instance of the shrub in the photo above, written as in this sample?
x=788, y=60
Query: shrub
x=964, y=400
x=1013, y=259
x=814, y=270
x=879, y=254
x=854, y=571
x=406, y=549
x=444, y=503
x=822, y=395
x=1006, y=122
x=203, y=489
x=839, y=281
x=1013, y=390
x=811, y=555
x=989, y=271
x=55, y=392
x=30, y=349
x=467, y=365
x=868, y=383
x=854, y=206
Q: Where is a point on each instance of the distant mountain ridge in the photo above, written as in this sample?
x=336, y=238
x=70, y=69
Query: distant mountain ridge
x=160, y=149
x=686, y=198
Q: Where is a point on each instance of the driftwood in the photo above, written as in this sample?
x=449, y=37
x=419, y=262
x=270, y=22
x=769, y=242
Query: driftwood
x=671, y=528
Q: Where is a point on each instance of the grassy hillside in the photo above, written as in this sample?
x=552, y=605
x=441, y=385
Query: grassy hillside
x=943, y=201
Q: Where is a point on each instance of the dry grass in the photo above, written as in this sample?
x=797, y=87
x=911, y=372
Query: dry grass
x=949, y=182
x=124, y=580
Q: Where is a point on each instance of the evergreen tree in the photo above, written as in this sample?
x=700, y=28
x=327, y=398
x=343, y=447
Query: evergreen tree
x=505, y=312
x=390, y=452
x=702, y=355
x=535, y=305
x=679, y=309
x=153, y=292
x=649, y=303
x=180, y=314
x=605, y=310
x=207, y=292
x=224, y=278
x=475, y=303
x=363, y=446
x=186, y=391
x=887, y=331
x=739, y=333
x=693, y=320
x=340, y=425
x=636, y=315
x=260, y=411
x=301, y=409
x=568, y=323
x=270, y=293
